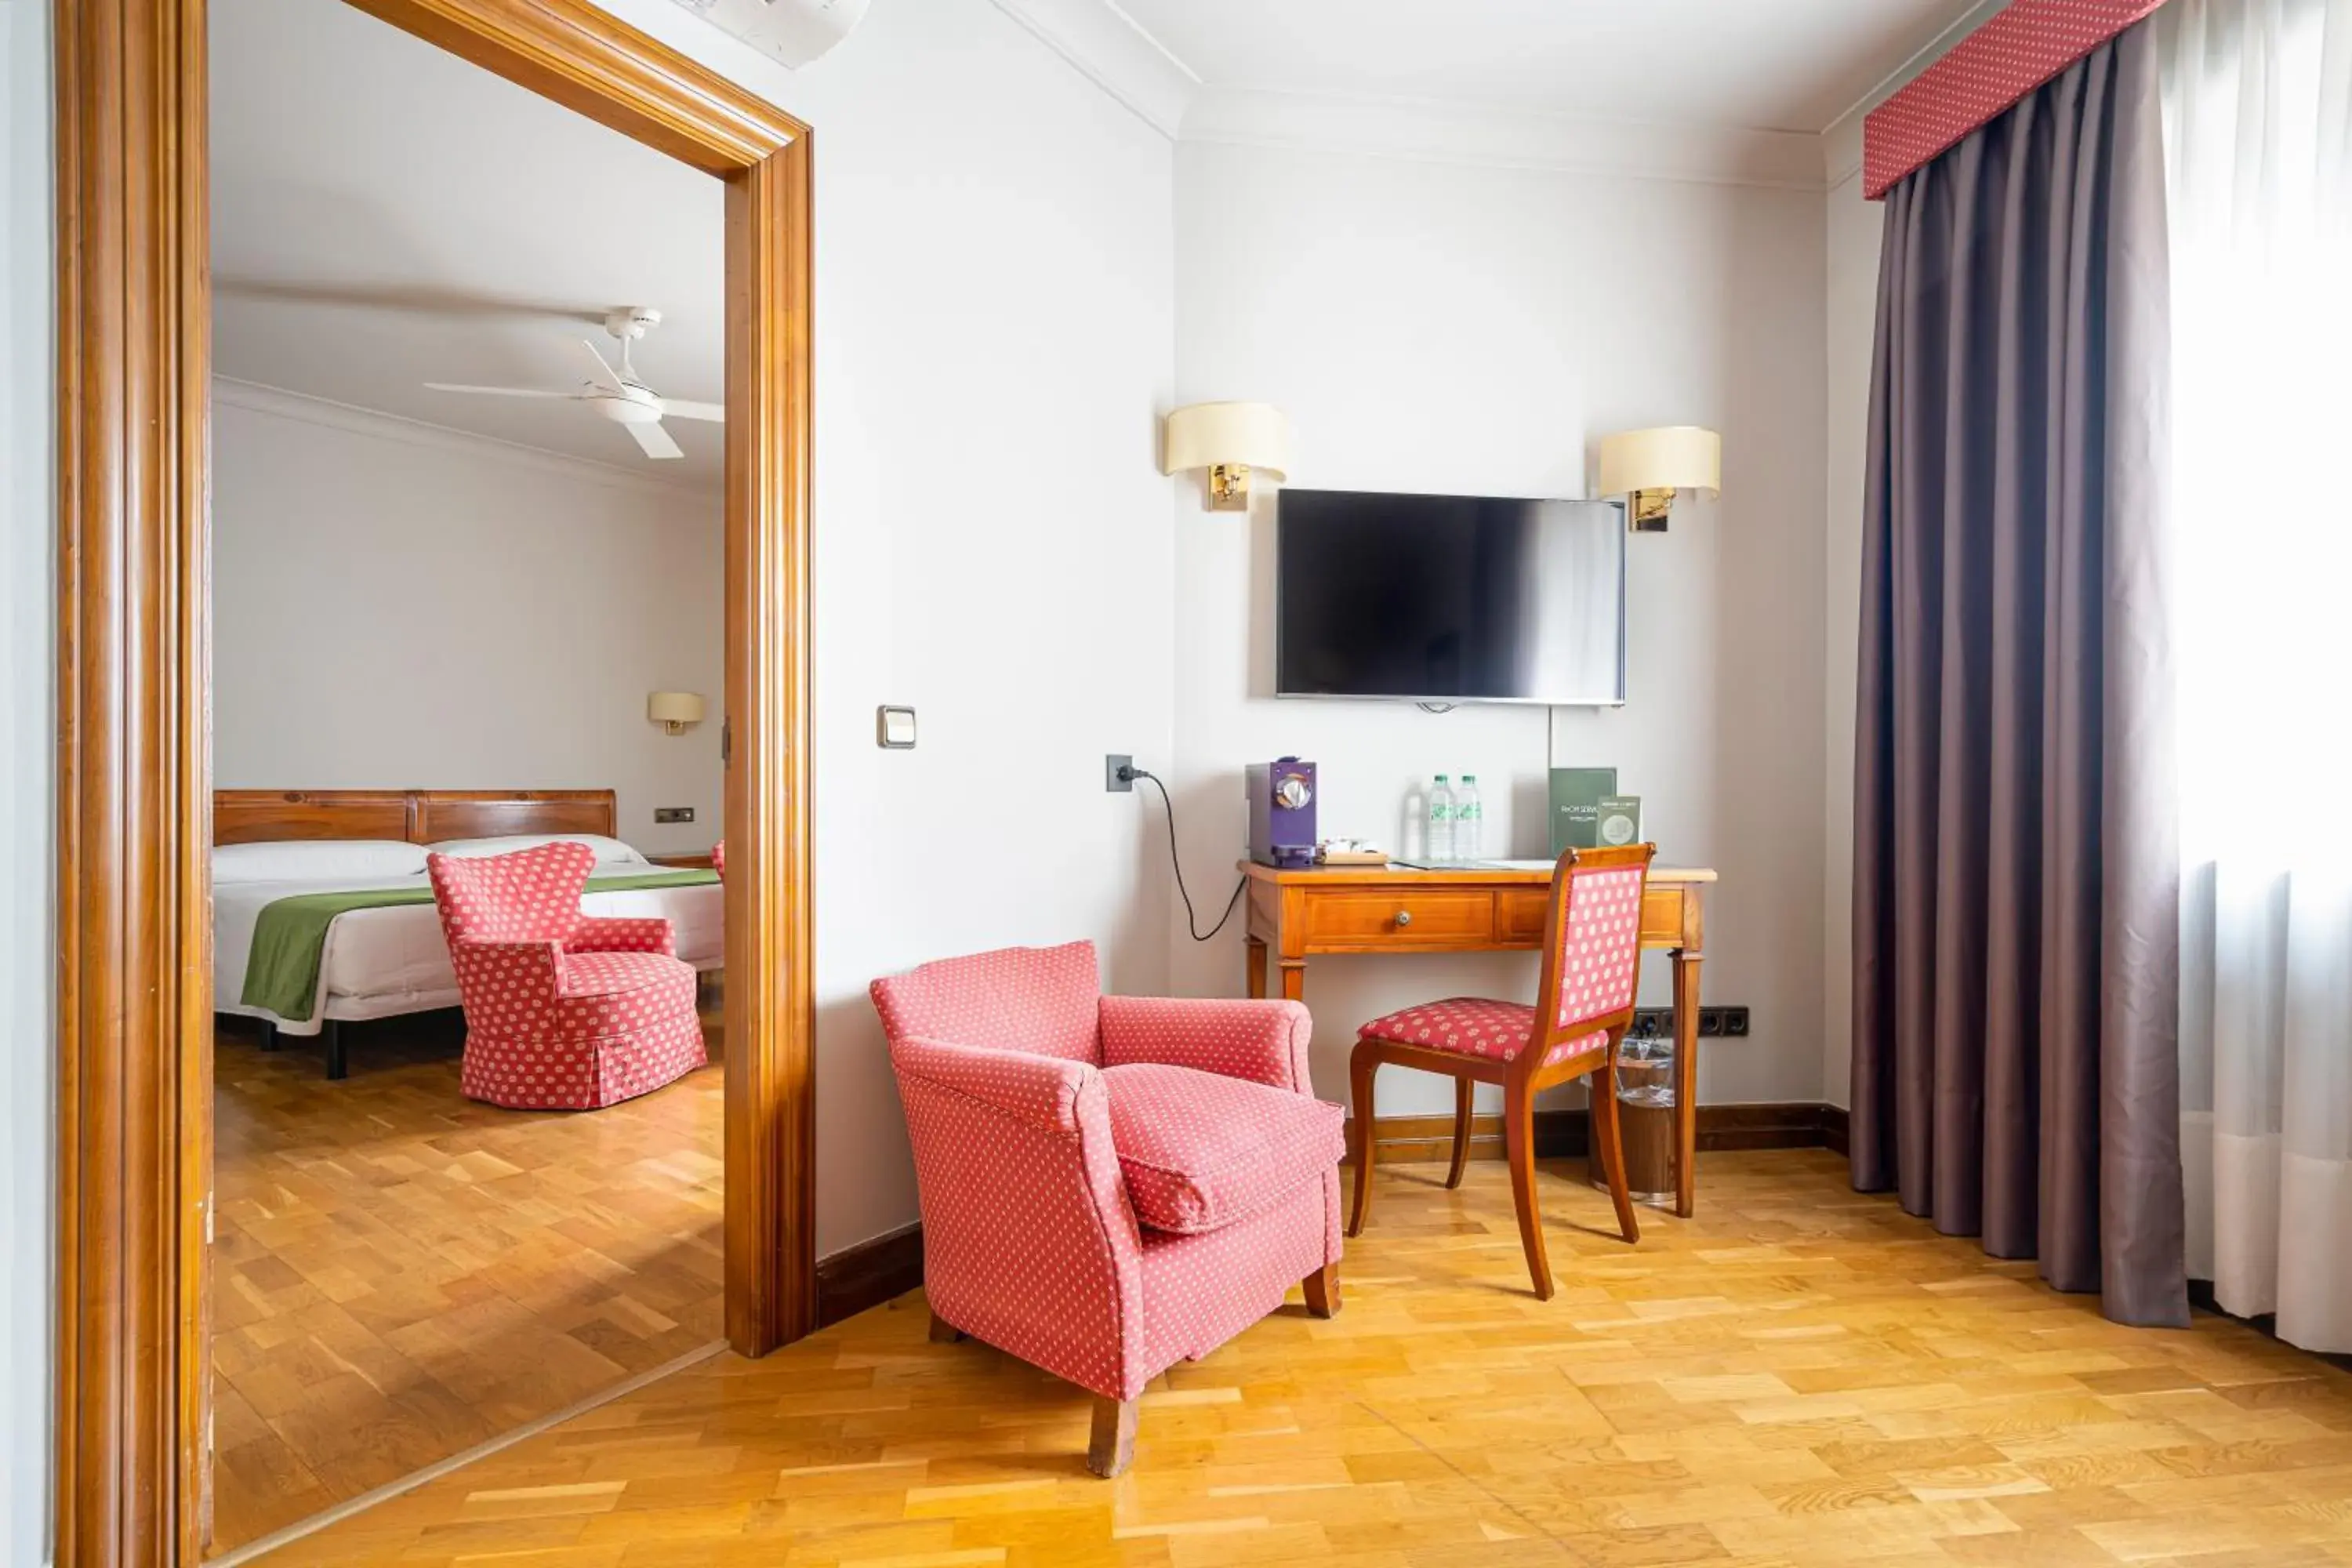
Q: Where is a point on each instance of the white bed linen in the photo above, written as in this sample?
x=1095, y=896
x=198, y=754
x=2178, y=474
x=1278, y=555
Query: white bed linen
x=379, y=962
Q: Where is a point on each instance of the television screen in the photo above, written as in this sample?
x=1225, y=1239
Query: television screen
x=1449, y=598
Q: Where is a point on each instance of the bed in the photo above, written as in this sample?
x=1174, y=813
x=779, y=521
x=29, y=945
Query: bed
x=379, y=962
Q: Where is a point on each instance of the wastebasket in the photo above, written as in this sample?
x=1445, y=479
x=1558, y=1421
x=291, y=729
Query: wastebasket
x=1645, y=1118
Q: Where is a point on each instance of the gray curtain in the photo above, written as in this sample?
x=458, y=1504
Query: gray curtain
x=2016, y=944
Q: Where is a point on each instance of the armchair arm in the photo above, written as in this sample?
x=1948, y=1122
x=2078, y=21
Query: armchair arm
x=622, y=933
x=1260, y=1042
x=1046, y=1093
x=1029, y=1241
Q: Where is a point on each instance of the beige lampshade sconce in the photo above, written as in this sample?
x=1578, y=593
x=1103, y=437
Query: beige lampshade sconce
x=1649, y=468
x=1236, y=442
x=674, y=711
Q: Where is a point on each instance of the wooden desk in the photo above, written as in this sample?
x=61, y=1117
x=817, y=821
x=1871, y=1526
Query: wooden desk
x=1381, y=909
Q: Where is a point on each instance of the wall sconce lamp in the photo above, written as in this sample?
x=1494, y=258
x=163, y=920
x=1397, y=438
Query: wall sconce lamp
x=674, y=711
x=1230, y=440
x=1647, y=467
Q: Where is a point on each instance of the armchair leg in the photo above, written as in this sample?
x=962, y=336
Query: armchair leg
x=1112, y=1446
x=1360, y=1067
x=1322, y=1288
x=944, y=1332
x=1462, y=1088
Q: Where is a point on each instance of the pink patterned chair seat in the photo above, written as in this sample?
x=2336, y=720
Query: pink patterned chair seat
x=618, y=993
x=1201, y=1150
x=1474, y=1027
x=563, y=1011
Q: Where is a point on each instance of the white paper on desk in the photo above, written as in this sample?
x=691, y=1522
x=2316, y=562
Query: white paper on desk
x=1474, y=864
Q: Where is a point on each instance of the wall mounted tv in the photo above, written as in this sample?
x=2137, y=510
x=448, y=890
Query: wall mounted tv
x=1449, y=598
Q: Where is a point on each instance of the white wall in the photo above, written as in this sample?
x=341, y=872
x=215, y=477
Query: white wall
x=399, y=605
x=994, y=348
x=1853, y=305
x=27, y=633
x=1441, y=326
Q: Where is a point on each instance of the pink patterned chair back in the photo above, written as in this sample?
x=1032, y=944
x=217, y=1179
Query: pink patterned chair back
x=533, y=895
x=1043, y=1001
x=1600, y=941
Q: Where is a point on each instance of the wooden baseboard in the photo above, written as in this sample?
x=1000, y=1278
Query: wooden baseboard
x=1561, y=1134
x=868, y=1274
x=875, y=1271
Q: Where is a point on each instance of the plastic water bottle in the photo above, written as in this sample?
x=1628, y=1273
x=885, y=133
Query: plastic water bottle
x=1412, y=843
x=1441, y=822
x=1469, y=821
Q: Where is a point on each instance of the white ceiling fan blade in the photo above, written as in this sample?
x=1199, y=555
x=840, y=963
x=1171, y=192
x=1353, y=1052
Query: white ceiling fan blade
x=606, y=376
x=498, y=391
x=679, y=408
x=655, y=440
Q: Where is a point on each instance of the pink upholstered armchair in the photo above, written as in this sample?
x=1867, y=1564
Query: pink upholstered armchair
x=1109, y=1184
x=563, y=1011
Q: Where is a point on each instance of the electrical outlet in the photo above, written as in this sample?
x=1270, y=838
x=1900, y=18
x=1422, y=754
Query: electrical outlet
x=1653, y=1021
x=1118, y=776
x=1711, y=1022
x=1735, y=1023
x=666, y=813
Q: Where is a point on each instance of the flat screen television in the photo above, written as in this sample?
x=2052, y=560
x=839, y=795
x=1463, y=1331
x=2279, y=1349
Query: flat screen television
x=1449, y=598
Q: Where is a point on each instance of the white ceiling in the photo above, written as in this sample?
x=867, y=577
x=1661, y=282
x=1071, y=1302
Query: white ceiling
x=384, y=215
x=1756, y=65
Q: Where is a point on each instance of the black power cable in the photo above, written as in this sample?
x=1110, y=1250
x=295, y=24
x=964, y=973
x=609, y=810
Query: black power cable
x=1191, y=921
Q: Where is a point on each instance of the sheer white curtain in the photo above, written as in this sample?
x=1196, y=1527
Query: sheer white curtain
x=2258, y=126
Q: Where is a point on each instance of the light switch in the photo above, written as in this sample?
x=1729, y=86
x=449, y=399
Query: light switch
x=894, y=728
x=672, y=814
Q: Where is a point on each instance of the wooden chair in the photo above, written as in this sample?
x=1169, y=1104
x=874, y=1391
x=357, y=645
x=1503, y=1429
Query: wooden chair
x=1583, y=1008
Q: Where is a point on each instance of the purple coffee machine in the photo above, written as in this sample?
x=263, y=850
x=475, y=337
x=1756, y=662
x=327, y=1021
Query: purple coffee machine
x=1282, y=812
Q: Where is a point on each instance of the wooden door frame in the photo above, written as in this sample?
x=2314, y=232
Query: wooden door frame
x=133, y=765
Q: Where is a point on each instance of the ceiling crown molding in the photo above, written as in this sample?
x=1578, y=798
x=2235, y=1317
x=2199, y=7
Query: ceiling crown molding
x=1466, y=134
x=306, y=408
x=1112, y=51
x=1841, y=143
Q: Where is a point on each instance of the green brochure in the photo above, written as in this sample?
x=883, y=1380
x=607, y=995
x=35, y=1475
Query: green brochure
x=1621, y=819
x=1576, y=796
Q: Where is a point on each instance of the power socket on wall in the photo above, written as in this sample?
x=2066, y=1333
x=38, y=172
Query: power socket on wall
x=1714, y=1023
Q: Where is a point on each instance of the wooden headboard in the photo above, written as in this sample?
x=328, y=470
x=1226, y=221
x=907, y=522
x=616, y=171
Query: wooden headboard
x=418, y=815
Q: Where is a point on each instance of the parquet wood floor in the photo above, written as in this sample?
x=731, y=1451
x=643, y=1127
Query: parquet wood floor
x=400, y=1273
x=1800, y=1376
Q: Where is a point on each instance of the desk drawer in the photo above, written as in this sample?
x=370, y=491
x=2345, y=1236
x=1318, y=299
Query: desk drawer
x=1520, y=913
x=1435, y=916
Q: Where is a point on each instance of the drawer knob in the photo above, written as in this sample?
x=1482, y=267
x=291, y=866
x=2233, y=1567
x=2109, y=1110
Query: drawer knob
x=1405, y=918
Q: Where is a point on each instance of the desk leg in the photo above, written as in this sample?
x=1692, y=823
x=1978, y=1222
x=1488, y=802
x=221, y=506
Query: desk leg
x=1687, y=966
x=1255, y=958
x=1293, y=979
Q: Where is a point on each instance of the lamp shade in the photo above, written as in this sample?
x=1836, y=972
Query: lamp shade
x=674, y=707
x=1213, y=434
x=1676, y=458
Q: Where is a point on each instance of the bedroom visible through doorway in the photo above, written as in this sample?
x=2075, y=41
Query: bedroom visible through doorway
x=468, y=590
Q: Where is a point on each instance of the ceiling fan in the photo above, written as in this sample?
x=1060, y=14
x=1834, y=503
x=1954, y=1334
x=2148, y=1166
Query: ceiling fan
x=618, y=395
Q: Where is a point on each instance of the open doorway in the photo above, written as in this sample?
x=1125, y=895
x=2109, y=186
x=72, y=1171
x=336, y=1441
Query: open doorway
x=449, y=621
x=137, y=1423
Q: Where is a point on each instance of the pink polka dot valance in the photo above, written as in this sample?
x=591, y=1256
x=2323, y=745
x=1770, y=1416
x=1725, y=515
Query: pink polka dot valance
x=1985, y=73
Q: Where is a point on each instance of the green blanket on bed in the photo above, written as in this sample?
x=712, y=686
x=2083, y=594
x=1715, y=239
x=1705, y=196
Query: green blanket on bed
x=289, y=940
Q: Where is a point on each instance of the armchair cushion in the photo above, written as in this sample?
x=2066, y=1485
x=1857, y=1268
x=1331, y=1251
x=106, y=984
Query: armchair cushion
x=1201, y=1150
x=603, y=993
